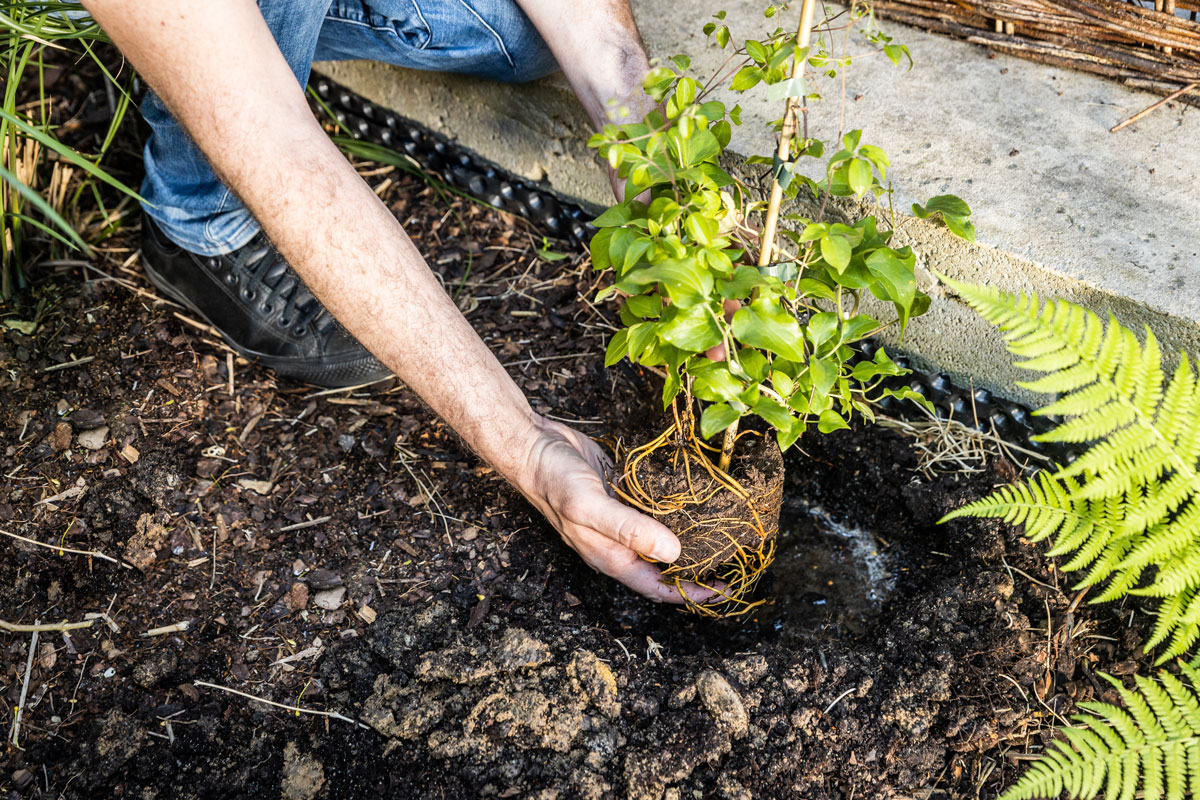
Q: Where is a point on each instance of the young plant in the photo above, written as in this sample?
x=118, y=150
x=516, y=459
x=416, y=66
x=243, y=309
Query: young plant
x=745, y=308
x=699, y=265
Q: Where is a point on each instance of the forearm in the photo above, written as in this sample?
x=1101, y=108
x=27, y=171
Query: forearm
x=598, y=46
x=228, y=85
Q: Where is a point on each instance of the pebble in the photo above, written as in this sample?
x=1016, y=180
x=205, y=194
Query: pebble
x=60, y=437
x=297, y=596
x=85, y=419
x=723, y=702
x=330, y=599
x=323, y=579
x=93, y=439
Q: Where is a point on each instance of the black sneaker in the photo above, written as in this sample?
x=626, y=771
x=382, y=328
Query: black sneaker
x=261, y=308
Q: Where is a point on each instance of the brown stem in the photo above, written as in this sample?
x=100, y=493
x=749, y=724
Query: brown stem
x=785, y=144
x=727, y=446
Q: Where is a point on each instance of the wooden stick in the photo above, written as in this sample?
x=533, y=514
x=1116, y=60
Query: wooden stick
x=16, y=726
x=62, y=550
x=1154, y=107
x=803, y=34
x=16, y=627
x=297, y=710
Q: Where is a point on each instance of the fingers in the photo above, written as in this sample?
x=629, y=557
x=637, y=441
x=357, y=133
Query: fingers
x=646, y=580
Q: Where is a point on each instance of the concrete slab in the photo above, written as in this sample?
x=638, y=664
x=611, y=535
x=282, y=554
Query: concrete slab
x=1061, y=206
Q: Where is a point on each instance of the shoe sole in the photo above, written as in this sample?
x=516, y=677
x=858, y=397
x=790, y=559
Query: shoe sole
x=279, y=365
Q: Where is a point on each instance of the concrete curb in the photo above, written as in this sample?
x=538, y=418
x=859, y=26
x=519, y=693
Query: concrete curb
x=1062, y=207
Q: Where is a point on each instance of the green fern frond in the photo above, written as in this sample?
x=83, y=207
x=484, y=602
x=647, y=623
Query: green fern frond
x=1152, y=743
x=1129, y=507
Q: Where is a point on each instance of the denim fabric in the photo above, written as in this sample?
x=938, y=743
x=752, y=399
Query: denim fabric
x=489, y=39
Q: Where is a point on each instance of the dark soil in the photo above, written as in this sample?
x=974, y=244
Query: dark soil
x=714, y=524
x=343, y=552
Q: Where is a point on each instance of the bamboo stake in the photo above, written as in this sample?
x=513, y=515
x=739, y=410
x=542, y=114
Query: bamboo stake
x=785, y=143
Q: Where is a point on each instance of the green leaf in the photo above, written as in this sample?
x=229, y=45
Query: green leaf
x=787, y=438
x=618, y=346
x=747, y=78
x=714, y=382
x=685, y=281
x=894, y=269
x=767, y=325
x=716, y=418
x=894, y=51
x=943, y=204
x=954, y=212
x=794, y=86
x=776, y=415
x=645, y=305
x=823, y=375
x=831, y=421
x=693, y=329
x=850, y=140
x=756, y=51
x=858, y=327
x=860, y=176
x=701, y=228
x=699, y=146
x=836, y=251
x=822, y=327
x=614, y=217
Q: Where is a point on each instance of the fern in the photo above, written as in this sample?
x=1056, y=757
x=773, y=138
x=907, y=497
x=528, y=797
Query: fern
x=1128, y=509
x=1154, y=740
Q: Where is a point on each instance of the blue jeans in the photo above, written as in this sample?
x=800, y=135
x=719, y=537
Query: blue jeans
x=489, y=39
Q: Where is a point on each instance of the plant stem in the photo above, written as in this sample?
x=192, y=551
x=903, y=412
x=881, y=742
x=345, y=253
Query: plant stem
x=727, y=446
x=785, y=145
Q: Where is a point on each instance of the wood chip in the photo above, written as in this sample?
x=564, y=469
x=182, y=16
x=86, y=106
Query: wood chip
x=130, y=453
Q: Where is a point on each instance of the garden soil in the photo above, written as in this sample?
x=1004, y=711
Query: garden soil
x=343, y=552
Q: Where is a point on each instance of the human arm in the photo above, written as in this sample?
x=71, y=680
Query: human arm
x=599, y=49
x=215, y=65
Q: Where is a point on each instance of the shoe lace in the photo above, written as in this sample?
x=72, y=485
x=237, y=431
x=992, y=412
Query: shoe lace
x=268, y=273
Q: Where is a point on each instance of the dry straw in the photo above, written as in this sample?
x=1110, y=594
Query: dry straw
x=1155, y=48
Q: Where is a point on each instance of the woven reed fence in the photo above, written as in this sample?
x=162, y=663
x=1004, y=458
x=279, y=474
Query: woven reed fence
x=1147, y=48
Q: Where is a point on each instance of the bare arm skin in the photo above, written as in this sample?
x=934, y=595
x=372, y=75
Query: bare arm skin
x=216, y=66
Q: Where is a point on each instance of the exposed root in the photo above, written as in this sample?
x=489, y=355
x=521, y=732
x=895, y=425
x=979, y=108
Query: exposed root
x=734, y=567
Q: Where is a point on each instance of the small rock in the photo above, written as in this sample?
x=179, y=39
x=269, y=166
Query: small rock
x=93, y=439
x=84, y=419
x=21, y=779
x=469, y=534
x=60, y=437
x=303, y=775
x=150, y=672
x=330, y=599
x=262, y=487
x=346, y=442
x=323, y=579
x=723, y=702
x=142, y=548
x=297, y=597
